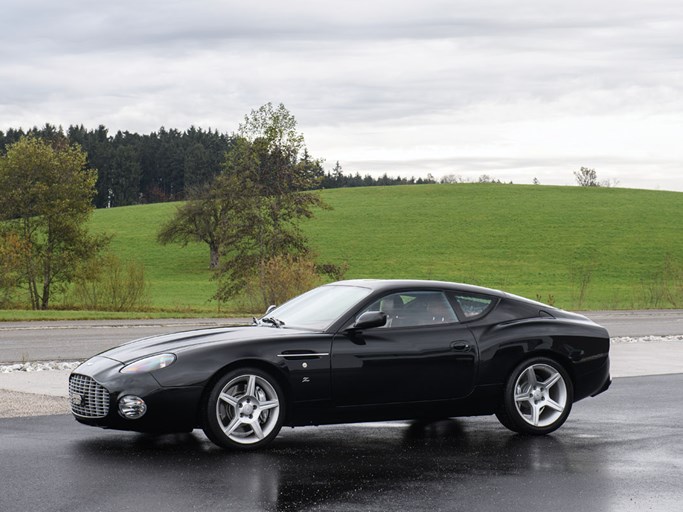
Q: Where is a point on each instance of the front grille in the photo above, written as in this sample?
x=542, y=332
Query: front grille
x=87, y=397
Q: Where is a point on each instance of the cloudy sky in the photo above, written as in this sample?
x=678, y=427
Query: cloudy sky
x=516, y=90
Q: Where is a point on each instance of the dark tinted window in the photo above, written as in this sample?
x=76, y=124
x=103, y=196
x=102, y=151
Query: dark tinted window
x=409, y=309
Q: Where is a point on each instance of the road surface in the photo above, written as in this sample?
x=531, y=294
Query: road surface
x=75, y=340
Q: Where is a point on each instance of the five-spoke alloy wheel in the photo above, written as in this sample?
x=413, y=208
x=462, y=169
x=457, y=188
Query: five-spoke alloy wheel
x=538, y=397
x=244, y=410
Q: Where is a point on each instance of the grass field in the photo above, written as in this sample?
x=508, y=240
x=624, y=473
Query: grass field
x=179, y=277
x=530, y=240
x=537, y=241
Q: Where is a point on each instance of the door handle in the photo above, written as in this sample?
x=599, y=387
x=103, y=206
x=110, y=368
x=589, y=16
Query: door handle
x=460, y=346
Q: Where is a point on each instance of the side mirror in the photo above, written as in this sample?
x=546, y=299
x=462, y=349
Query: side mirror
x=270, y=309
x=370, y=319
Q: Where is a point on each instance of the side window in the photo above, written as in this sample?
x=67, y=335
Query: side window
x=410, y=309
x=473, y=305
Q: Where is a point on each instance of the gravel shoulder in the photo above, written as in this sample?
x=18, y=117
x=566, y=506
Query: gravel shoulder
x=15, y=404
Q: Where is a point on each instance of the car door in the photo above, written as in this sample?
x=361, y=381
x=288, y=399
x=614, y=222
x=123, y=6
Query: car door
x=422, y=353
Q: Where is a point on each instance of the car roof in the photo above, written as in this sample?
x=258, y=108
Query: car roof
x=392, y=284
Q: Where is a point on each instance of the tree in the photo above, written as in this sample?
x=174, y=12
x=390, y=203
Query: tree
x=199, y=220
x=198, y=167
x=338, y=174
x=124, y=185
x=46, y=200
x=99, y=154
x=451, y=178
x=12, y=253
x=586, y=177
x=266, y=186
x=248, y=214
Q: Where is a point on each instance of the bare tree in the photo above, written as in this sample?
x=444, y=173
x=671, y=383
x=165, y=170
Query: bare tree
x=586, y=177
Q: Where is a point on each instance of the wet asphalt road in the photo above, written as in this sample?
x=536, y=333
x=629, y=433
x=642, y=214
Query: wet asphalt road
x=621, y=451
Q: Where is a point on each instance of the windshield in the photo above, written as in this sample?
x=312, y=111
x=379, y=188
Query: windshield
x=319, y=308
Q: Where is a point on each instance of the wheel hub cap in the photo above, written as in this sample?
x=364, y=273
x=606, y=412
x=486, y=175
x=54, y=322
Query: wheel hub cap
x=247, y=409
x=540, y=395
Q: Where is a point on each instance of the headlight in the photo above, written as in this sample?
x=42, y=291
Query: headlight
x=149, y=364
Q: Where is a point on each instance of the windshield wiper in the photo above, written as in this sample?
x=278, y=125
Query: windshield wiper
x=272, y=320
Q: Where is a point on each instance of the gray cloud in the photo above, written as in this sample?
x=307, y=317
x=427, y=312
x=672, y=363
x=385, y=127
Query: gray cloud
x=398, y=85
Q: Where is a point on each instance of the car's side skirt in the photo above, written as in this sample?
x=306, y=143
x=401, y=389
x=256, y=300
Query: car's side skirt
x=482, y=401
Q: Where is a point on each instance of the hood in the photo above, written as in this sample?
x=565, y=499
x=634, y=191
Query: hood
x=182, y=340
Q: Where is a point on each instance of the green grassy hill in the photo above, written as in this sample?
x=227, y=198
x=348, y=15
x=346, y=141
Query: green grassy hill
x=531, y=240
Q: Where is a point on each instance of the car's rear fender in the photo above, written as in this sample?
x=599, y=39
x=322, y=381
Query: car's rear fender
x=578, y=346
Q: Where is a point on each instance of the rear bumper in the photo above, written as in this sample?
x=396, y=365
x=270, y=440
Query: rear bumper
x=605, y=387
x=593, y=380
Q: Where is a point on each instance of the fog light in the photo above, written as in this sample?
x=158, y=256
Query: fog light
x=132, y=407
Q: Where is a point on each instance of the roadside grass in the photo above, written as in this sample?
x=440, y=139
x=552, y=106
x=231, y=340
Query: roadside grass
x=22, y=315
x=581, y=248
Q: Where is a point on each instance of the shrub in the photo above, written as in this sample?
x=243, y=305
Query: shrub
x=284, y=277
x=665, y=285
x=334, y=272
x=581, y=270
x=106, y=283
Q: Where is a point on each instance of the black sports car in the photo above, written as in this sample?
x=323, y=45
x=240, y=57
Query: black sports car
x=361, y=350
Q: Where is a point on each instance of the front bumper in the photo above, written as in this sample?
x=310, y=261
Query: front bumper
x=169, y=409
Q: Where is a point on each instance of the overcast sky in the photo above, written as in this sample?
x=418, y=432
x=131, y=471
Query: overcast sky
x=516, y=90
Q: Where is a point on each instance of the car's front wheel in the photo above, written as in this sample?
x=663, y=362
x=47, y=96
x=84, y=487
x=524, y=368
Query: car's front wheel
x=537, y=398
x=244, y=410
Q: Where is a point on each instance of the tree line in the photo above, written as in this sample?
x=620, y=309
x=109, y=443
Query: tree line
x=337, y=179
x=166, y=165
x=137, y=168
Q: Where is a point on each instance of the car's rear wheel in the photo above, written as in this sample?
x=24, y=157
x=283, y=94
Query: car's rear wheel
x=244, y=410
x=537, y=397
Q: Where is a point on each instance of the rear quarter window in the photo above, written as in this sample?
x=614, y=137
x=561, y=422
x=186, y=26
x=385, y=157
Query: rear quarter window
x=508, y=309
x=474, y=306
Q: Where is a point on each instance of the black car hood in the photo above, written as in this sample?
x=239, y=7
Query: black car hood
x=183, y=340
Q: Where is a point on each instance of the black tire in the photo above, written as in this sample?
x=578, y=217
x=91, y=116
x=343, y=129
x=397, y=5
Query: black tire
x=244, y=410
x=537, y=398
